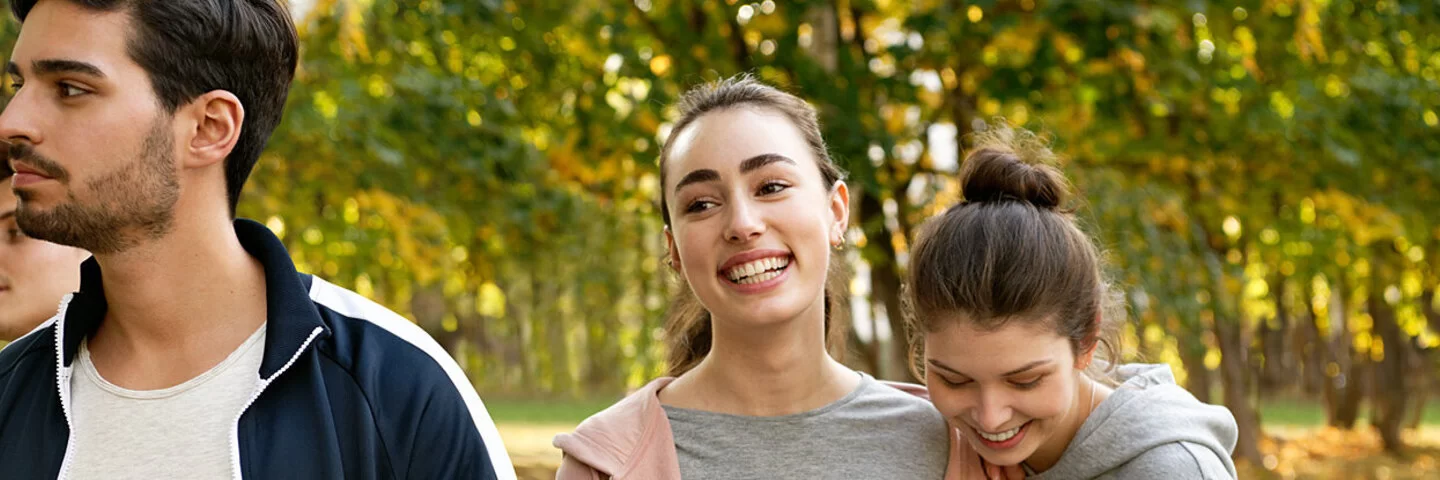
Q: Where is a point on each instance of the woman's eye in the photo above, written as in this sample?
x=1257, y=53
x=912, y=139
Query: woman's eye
x=954, y=383
x=1027, y=383
x=770, y=188
x=699, y=206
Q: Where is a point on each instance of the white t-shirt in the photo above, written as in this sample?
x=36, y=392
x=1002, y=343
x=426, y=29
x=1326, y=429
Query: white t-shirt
x=179, y=432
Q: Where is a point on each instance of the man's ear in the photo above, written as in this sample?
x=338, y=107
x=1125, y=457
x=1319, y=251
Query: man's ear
x=216, y=119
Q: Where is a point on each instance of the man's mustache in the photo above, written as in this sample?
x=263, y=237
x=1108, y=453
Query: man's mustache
x=25, y=153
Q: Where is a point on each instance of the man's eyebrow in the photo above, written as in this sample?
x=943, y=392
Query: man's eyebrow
x=54, y=65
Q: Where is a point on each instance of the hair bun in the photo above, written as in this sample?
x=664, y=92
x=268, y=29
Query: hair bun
x=1009, y=164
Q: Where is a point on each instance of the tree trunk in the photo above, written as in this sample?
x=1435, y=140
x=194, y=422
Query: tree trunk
x=1343, y=390
x=1279, y=368
x=1230, y=334
x=1391, y=382
x=1310, y=345
x=885, y=291
x=1234, y=374
x=885, y=286
x=1198, y=378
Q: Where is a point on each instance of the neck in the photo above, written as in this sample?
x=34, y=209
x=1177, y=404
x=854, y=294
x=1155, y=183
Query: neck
x=779, y=369
x=177, y=305
x=1088, y=394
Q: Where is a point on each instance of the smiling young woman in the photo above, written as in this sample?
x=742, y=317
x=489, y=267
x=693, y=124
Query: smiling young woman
x=1010, y=299
x=753, y=207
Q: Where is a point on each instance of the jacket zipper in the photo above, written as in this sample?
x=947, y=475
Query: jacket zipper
x=259, y=388
x=62, y=380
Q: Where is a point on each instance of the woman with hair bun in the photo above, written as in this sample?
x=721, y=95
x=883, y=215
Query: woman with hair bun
x=1011, y=307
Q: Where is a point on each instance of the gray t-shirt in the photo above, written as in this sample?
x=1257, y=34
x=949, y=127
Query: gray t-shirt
x=874, y=432
x=184, y=431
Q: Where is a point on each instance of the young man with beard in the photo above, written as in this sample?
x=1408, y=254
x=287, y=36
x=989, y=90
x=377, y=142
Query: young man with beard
x=34, y=274
x=193, y=348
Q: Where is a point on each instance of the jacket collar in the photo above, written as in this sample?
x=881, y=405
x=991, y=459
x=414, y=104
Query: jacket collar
x=291, y=317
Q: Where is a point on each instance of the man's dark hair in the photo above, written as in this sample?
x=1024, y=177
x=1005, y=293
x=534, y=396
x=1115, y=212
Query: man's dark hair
x=191, y=47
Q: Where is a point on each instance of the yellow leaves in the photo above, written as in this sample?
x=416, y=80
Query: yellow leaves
x=472, y=117
x=660, y=65
x=1282, y=105
x=1335, y=87
x=990, y=107
x=1269, y=236
x=974, y=14
x=490, y=300
x=352, y=211
x=276, y=225
x=1308, y=37
x=313, y=236
x=805, y=35
x=364, y=287
x=1430, y=118
x=377, y=87
x=1231, y=226
x=326, y=105
x=352, y=34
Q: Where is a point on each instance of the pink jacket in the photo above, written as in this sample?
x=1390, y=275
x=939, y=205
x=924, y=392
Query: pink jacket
x=631, y=441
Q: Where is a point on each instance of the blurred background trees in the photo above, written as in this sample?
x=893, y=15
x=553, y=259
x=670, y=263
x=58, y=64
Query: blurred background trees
x=1263, y=173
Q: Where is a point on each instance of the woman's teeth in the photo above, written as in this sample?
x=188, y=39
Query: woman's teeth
x=757, y=271
x=1002, y=436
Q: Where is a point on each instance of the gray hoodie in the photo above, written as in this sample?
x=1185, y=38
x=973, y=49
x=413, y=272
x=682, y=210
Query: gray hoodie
x=1150, y=428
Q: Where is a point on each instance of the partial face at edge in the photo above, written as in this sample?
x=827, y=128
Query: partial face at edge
x=34, y=274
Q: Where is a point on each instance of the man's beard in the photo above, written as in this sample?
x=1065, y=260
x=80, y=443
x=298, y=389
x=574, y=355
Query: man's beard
x=127, y=206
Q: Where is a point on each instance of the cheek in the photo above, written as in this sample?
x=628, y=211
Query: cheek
x=949, y=401
x=695, y=249
x=36, y=256
x=1049, y=401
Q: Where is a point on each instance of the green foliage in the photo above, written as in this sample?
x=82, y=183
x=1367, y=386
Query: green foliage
x=487, y=167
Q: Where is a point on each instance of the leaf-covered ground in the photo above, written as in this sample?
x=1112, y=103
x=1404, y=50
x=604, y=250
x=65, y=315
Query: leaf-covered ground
x=1291, y=453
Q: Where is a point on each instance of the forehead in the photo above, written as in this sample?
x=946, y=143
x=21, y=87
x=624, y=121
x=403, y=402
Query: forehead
x=992, y=352
x=720, y=140
x=61, y=30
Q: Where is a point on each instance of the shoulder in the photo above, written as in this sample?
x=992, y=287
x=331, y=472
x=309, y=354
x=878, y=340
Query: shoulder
x=390, y=361
x=633, y=428
x=899, y=408
x=375, y=343
x=410, y=382
x=1179, y=460
x=33, y=350
x=897, y=398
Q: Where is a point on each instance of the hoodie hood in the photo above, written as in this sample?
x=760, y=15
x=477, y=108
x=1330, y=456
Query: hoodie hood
x=622, y=441
x=1147, y=411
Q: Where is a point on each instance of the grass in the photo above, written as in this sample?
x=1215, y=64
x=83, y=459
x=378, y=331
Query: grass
x=547, y=412
x=1298, y=412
